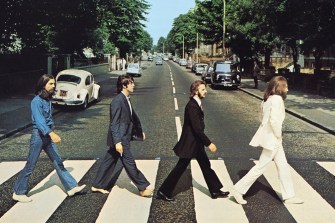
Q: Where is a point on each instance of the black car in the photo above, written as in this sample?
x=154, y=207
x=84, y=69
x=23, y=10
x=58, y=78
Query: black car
x=226, y=74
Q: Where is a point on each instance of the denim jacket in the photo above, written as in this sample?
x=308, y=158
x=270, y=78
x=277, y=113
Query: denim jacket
x=41, y=110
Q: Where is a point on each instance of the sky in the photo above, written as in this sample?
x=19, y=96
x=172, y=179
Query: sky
x=161, y=15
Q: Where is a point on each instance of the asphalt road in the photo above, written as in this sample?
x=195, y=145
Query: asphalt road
x=231, y=120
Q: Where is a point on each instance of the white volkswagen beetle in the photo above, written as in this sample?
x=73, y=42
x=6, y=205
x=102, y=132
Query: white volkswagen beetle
x=75, y=88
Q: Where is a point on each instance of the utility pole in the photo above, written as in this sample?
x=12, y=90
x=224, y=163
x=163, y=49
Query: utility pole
x=224, y=29
x=197, y=48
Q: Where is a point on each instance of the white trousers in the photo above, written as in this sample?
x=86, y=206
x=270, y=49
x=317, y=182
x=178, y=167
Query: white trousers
x=279, y=158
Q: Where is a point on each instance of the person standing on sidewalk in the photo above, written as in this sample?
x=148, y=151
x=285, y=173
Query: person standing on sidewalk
x=255, y=73
x=43, y=138
x=191, y=145
x=269, y=137
x=124, y=126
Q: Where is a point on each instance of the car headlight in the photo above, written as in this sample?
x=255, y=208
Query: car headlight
x=217, y=77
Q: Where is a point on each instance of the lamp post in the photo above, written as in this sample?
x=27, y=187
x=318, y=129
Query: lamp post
x=197, y=48
x=183, y=46
x=224, y=28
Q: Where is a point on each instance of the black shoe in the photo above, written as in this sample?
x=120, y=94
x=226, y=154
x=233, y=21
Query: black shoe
x=219, y=194
x=162, y=196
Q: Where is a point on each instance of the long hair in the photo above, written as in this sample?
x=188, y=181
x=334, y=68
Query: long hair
x=194, y=87
x=44, y=79
x=123, y=80
x=276, y=86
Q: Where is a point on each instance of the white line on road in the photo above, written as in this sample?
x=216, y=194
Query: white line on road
x=314, y=209
x=221, y=209
x=175, y=104
x=329, y=166
x=47, y=196
x=11, y=168
x=123, y=203
x=178, y=126
x=172, y=83
x=174, y=90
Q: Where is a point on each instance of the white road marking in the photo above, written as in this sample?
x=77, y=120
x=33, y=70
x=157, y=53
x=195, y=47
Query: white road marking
x=329, y=166
x=10, y=169
x=175, y=104
x=47, y=196
x=174, y=90
x=221, y=209
x=314, y=209
x=123, y=203
x=172, y=83
x=178, y=126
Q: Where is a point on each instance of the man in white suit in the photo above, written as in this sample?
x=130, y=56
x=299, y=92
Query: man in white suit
x=269, y=137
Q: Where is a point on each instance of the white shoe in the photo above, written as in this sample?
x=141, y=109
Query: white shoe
x=238, y=197
x=103, y=191
x=294, y=200
x=21, y=198
x=75, y=190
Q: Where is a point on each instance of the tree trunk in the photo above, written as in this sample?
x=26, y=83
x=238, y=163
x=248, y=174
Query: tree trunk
x=267, y=57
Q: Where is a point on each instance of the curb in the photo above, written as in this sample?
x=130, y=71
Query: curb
x=12, y=132
x=295, y=114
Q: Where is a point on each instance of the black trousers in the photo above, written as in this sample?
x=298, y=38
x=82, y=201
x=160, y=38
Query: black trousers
x=212, y=180
x=109, y=172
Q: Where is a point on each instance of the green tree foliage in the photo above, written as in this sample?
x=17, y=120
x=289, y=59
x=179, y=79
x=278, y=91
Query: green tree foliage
x=48, y=26
x=183, y=28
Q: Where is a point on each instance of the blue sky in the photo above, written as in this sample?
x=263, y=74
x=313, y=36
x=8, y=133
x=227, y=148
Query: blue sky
x=161, y=15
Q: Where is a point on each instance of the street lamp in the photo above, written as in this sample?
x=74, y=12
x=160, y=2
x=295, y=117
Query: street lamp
x=224, y=28
x=183, y=44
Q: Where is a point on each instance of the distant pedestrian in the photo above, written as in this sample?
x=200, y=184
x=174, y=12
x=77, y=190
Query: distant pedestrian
x=255, y=73
x=269, y=137
x=43, y=138
x=123, y=127
x=192, y=145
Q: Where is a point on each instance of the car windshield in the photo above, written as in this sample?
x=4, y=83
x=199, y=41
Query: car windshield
x=220, y=67
x=69, y=78
x=133, y=65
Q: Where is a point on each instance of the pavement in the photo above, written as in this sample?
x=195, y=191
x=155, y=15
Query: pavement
x=15, y=114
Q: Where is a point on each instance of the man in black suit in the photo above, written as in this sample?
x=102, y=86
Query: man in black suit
x=191, y=145
x=124, y=123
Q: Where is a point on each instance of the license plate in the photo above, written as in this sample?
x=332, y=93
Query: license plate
x=63, y=93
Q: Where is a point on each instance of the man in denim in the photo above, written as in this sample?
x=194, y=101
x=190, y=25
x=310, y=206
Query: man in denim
x=43, y=137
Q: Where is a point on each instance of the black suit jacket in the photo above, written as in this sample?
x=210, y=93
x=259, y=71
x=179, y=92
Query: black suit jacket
x=122, y=124
x=192, y=138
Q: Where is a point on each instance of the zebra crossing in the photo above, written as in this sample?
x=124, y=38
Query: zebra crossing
x=124, y=205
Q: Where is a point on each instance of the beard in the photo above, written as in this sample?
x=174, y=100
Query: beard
x=201, y=96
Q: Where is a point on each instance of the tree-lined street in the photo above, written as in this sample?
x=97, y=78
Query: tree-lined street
x=160, y=97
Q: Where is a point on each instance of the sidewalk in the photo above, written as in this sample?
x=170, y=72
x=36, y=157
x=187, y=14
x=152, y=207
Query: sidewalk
x=314, y=109
x=319, y=111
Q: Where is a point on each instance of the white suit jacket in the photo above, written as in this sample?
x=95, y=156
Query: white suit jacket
x=269, y=133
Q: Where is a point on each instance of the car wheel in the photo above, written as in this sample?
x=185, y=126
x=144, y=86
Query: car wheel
x=85, y=104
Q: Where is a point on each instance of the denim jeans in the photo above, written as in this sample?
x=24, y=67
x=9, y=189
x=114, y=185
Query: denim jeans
x=37, y=143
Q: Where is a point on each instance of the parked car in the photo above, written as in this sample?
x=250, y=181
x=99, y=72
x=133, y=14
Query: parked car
x=182, y=62
x=206, y=76
x=150, y=58
x=159, y=61
x=226, y=74
x=75, y=88
x=200, y=68
x=190, y=64
x=134, y=69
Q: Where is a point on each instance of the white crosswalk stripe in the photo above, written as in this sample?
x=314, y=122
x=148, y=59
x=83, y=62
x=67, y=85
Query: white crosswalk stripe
x=314, y=209
x=117, y=208
x=49, y=194
x=209, y=210
x=11, y=168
